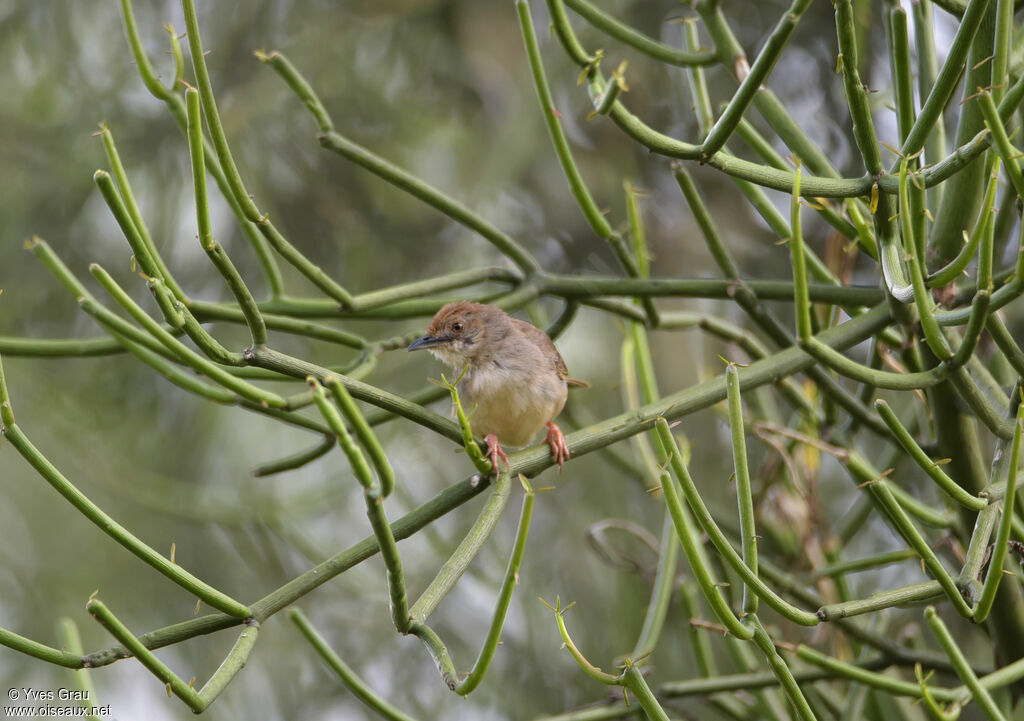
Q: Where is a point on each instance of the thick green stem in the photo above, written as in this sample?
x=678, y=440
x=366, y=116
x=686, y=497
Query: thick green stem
x=963, y=667
x=744, y=494
x=755, y=78
x=508, y=585
x=467, y=550
x=632, y=37
x=995, y=568
x=962, y=196
x=234, y=179
x=595, y=218
x=718, y=539
x=247, y=304
x=104, y=522
x=359, y=688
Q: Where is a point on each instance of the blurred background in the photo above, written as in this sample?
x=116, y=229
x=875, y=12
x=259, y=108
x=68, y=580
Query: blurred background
x=442, y=89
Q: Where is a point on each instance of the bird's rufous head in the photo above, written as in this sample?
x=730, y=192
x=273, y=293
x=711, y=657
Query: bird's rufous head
x=460, y=332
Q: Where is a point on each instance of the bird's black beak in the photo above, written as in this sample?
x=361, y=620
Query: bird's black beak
x=426, y=341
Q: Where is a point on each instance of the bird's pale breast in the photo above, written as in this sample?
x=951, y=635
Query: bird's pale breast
x=509, y=402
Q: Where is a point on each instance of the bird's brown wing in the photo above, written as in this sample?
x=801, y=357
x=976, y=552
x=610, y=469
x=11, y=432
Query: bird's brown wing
x=543, y=341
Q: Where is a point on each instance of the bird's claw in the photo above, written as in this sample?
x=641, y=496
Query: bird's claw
x=494, y=452
x=559, y=448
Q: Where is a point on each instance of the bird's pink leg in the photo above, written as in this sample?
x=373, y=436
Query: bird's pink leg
x=494, y=452
x=559, y=449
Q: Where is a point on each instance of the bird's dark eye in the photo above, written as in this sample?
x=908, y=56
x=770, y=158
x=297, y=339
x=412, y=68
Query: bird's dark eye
x=456, y=327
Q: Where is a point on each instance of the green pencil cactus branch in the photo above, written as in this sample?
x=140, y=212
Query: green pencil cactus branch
x=888, y=402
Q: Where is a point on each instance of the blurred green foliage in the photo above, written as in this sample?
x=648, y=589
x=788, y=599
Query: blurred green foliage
x=443, y=89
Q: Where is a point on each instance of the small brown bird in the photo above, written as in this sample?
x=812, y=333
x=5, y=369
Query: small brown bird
x=514, y=375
